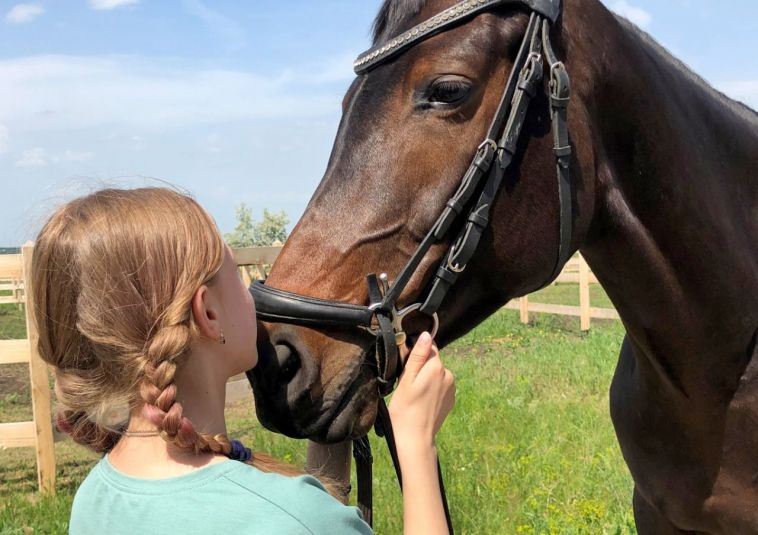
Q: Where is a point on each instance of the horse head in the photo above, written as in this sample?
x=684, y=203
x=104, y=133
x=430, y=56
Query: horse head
x=408, y=131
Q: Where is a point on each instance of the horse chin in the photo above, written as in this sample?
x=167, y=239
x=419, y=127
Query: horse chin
x=352, y=419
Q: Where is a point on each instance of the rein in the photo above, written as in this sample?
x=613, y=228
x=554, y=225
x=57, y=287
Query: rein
x=473, y=198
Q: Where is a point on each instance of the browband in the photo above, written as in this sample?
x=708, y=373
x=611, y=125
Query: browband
x=441, y=22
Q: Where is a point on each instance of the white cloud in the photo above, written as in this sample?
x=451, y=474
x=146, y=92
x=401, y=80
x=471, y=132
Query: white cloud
x=21, y=13
x=77, y=156
x=40, y=157
x=635, y=14
x=106, y=5
x=36, y=157
x=212, y=142
x=44, y=93
x=4, y=137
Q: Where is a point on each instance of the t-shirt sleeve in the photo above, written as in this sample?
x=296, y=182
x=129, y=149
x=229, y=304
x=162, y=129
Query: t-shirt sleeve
x=324, y=514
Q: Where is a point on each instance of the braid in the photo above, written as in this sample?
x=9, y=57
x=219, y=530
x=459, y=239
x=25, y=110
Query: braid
x=86, y=432
x=158, y=390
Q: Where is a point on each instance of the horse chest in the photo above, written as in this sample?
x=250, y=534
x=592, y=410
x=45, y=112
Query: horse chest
x=696, y=465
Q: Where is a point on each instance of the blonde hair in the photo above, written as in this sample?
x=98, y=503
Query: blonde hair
x=114, y=273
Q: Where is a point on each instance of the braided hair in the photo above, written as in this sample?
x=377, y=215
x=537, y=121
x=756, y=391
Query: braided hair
x=114, y=273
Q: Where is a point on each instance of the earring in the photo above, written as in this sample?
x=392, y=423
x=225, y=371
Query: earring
x=221, y=339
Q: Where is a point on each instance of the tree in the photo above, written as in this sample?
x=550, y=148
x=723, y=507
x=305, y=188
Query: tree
x=272, y=228
x=248, y=232
x=244, y=232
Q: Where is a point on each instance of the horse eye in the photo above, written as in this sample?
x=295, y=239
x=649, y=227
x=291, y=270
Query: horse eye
x=447, y=91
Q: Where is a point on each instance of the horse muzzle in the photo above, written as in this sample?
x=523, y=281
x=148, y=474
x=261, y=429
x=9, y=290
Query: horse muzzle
x=326, y=398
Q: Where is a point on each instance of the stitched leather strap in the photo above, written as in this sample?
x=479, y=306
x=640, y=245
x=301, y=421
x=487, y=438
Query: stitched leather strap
x=521, y=85
x=453, y=16
x=277, y=305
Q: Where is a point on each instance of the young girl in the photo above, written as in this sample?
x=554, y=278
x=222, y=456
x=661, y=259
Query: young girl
x=143, y=316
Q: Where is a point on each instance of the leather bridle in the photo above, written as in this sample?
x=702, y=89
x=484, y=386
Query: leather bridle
x=473, y=198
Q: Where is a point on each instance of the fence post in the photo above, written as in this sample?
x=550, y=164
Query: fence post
x=40, y=387
x=584, y=294
x=17, y=294
x=523, y=303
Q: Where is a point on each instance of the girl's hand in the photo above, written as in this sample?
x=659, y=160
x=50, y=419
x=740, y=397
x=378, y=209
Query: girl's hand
x=423, y=398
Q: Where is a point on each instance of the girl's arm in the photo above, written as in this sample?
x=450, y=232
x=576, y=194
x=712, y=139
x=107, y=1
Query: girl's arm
x=422, y=400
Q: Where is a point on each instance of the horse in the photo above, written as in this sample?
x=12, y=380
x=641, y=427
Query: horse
x=664, y=204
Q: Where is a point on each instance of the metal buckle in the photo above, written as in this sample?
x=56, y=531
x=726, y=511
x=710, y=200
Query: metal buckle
x=397, y=322
x=399, y=315
x=454, y=267
x=532, y=64
x=457, y=268
x=491, y=142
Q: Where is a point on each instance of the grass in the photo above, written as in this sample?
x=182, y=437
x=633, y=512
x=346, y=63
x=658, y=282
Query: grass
x=568, y=294
x=529, y=447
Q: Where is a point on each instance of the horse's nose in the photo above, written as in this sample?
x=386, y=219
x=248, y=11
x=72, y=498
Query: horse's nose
x=287, y=362
x=281, y=359
x=284, y=378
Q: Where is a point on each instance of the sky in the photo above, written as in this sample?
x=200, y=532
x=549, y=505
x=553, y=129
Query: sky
x=233, y=101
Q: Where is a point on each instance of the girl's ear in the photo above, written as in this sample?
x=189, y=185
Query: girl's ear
x=204, y=313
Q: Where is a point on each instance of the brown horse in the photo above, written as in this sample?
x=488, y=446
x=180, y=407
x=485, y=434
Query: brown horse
x=665, y=200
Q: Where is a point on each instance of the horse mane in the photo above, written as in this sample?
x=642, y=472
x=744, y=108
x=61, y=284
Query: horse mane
x=393, y=17
x=662, y=54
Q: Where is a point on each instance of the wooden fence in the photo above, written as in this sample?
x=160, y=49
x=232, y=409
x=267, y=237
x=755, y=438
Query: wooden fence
x=576, y=270
x=253, y=263
x=11, y=279
x=38, y=432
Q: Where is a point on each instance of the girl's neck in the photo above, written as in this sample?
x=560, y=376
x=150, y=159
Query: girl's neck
x=201, y=390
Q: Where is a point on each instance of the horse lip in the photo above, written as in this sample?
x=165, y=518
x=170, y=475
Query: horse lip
x=345, y=397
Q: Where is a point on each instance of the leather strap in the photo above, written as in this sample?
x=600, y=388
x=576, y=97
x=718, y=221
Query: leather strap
x=364, y=476
x=521, y=85
x=277, y=305
x=443, y=21
x=387, y=354
x=383, y=427
x=560, y=94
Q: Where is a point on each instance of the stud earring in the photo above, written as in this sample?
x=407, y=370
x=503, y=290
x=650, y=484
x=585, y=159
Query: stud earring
x=221, y=339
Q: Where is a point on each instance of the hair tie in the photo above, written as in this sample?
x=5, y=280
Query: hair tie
x=239, y=452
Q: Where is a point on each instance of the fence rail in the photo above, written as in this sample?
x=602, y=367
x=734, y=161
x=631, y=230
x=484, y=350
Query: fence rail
x=576, y=270
x=38, y=432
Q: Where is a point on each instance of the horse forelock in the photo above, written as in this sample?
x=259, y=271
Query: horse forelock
x=393, y=17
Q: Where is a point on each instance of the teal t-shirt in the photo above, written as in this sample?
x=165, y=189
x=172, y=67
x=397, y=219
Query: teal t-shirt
x=230, y=497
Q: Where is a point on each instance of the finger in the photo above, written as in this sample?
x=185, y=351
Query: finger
x=419, y=355
x=404, y=352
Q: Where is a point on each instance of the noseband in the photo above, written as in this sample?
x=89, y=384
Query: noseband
x=473, y=199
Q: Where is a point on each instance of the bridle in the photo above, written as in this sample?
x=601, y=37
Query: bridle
x=474, y=198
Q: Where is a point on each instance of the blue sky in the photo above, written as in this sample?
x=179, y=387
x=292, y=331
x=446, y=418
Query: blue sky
x=234, y=101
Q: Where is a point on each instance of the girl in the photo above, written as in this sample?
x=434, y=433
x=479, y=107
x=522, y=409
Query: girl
x=143, y=316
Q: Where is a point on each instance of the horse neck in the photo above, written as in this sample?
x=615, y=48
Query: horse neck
x=674, y=230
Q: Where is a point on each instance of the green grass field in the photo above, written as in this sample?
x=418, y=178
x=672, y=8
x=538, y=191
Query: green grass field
x=529, y=447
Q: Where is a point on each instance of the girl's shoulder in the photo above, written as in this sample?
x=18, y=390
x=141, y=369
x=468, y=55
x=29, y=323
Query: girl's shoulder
x=220, y=497
x=302, y=497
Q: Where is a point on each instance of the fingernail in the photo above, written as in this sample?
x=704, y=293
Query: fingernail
x=425, y=337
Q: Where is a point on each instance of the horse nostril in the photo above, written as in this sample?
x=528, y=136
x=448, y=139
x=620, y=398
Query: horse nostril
x=289, y=362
